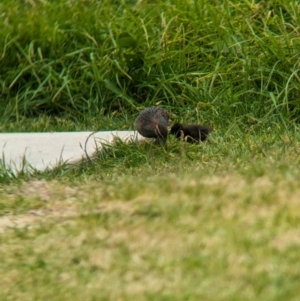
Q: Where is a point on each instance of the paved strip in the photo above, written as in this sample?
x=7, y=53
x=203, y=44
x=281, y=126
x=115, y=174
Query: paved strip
x=47, y=150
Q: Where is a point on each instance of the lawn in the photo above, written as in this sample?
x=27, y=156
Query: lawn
x=212, y=221
x=216, y=221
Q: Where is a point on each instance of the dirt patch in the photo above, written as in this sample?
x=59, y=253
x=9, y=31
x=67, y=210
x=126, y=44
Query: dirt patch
x=37, y=189
x=286, y=240
x=33, y=218
x=59, y=203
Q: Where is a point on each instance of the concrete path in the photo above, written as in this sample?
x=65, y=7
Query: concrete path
x=46, y=150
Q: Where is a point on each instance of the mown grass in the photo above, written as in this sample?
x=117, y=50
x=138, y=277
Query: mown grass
x=211, y=221
x=214, y=221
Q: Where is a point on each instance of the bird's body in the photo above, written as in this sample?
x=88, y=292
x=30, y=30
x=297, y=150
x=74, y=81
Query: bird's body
x=153, y=123
x=193, y=133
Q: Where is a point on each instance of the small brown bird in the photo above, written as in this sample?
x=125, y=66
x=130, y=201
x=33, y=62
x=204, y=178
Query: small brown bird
x=193, y=133
x=153, y=123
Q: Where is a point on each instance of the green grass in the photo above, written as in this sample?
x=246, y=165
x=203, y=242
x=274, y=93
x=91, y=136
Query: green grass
x=229, y=58
x=214, y=221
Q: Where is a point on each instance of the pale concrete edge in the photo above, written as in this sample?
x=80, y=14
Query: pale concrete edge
x=92, y=144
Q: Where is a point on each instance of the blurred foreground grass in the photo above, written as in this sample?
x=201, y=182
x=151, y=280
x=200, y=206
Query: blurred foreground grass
x=216, y=221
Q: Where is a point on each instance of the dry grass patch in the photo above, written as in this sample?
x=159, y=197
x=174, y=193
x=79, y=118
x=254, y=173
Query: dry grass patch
x=225, y=237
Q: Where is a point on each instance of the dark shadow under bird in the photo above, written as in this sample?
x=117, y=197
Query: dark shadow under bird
x=153, y=123
x=192, y=133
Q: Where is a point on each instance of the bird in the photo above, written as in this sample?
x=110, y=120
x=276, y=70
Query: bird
x=153, y=122
x=192, y=133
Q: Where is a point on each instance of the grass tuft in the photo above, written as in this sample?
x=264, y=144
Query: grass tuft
x=237, y=59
